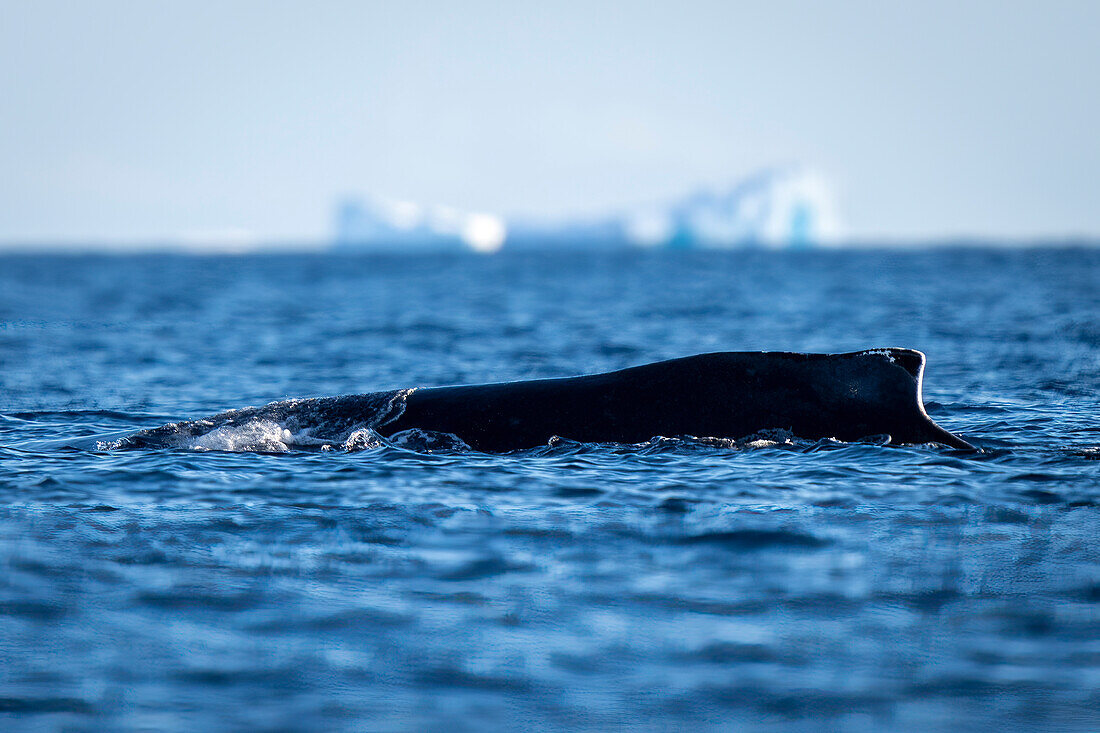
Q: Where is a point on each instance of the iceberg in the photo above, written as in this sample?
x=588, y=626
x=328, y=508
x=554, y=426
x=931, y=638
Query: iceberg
x=383, y=223
x=782, y=208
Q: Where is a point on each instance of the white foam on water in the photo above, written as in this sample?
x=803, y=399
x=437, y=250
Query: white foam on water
x=363, y=439
x=261, y=436
x=428, y=440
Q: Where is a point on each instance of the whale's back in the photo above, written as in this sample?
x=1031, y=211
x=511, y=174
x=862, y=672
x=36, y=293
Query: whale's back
x=726, y=394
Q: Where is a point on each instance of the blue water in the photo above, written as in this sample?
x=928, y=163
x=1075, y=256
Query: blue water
x=670, y=585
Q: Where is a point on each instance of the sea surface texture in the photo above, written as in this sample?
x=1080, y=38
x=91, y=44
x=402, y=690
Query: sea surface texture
x=771, y=585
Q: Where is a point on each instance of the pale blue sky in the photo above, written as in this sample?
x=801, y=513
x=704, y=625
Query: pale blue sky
x=129, y=121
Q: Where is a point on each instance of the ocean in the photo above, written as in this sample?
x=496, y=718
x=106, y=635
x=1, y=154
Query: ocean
x=668, y=585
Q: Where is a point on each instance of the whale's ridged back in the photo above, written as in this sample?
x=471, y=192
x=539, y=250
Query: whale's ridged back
x=726, y=394
x=315, y=421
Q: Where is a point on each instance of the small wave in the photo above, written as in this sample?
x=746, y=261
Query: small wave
x=428, y=440
x=260, y=436
x=414, y=439
x=771, y=438
x=75, y=414
x=33, y=705
x=754, y=539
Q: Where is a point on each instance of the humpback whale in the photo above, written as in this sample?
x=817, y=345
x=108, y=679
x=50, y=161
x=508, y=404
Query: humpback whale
x=726, y=394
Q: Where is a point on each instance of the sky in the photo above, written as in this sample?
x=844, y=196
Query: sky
x=133, y=122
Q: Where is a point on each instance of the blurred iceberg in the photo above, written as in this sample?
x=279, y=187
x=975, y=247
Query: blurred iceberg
x=381, y=223
x=781, y=208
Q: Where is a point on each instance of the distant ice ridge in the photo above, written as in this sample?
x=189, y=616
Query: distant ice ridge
x=781, y=208
x=382, y=223
x=791, y=207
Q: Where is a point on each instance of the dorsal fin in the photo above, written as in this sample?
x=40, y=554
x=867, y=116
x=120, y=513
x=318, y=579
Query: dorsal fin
x=913, y=362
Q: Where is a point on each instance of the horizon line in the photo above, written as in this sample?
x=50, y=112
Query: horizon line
x=316, y=245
